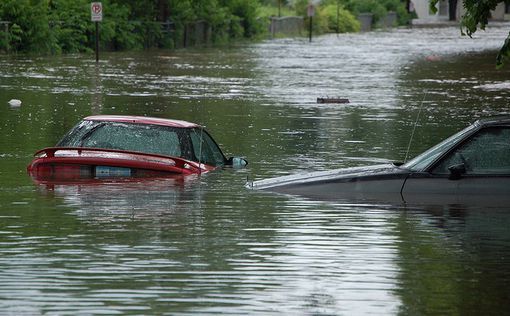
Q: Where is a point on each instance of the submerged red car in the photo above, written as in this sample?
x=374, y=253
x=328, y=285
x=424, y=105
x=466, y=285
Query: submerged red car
x=108, y=146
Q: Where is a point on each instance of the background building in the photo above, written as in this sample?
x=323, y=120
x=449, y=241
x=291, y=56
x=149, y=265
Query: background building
x=450, y=11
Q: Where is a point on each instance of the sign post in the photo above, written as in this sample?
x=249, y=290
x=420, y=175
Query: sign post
x=337, y=17
x=310, y=12
x=96, y=16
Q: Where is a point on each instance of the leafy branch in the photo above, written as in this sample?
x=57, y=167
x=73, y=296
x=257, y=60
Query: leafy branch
x=477, y=14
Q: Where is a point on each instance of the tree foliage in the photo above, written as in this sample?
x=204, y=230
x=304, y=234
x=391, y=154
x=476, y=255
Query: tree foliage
x=379, y=9
x=339, y=17
x=477, y=17
x=56, y=26
x=64, y=26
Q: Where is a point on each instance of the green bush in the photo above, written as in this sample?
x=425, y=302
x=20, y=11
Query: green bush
x=399, y=7
x=267, y=11
x=325, y=18
x=246, y=13
x=32, y=30
x=69, y=26
x=375, y=7
x=64, y=26
x=346, y=21
x=379, y=9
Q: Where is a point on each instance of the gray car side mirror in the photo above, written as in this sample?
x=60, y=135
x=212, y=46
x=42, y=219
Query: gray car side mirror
x=237, y=162
x=456, y=171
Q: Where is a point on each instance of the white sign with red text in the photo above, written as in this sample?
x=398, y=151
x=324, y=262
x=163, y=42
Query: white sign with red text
x=310, y=10
x=96, y=11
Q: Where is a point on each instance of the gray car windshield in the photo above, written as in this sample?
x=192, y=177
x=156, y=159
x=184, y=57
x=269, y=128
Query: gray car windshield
x=153, y=139
x=424, y=160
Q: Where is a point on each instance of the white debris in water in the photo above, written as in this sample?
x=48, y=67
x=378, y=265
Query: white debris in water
x=495, y=86
x=14, y=102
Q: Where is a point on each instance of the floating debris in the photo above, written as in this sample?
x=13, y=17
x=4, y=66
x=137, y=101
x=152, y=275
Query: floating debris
x=433, y=58
x=14, y=102
x=332, y=100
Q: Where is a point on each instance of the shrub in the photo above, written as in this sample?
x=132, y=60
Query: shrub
x=369, y=6
x=325, y=19
x=399, y=7
x=31, y=30
x=346, y=21
x=379, y=9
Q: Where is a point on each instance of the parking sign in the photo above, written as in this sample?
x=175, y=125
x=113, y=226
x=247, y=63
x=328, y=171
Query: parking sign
x=96, y=11
x=310, y=10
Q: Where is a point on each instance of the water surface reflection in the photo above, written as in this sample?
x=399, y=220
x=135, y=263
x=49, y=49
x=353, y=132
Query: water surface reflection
x=453, y=259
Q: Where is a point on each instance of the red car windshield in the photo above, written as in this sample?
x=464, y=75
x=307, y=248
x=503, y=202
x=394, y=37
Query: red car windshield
x=193, y=144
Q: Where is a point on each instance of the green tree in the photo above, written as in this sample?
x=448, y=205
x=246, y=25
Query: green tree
x=69, y=23
x=477, y=17
x=31, y=29
x=246, y=12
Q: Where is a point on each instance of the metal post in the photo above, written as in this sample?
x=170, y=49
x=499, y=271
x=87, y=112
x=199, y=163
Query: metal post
x=337, y=17
x=97, y=41
x=310, y=31
x=273, y=27
x=7, y=44
x=310, y=12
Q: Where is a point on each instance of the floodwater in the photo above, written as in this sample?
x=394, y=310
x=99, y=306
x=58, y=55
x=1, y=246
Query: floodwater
x=208, y=245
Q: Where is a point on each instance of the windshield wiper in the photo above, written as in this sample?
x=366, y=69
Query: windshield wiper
x=89, y=133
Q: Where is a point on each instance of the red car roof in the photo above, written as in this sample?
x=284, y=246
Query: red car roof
x=142, y=120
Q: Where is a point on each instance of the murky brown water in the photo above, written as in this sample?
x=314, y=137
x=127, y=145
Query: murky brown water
x=209, y=245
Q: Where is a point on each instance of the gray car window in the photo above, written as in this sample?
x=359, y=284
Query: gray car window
x=487, y=152
x=205, y=149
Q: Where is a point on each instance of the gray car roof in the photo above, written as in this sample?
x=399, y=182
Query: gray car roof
x=503, y=119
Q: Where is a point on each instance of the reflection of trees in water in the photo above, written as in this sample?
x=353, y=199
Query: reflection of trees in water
x=454, y=259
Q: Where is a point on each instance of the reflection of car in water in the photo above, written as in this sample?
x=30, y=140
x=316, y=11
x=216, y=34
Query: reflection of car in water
x=128, y=198
x=130, y=146
x=472, y=163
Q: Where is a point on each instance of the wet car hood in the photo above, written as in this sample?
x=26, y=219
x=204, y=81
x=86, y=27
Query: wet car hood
x=344, y=174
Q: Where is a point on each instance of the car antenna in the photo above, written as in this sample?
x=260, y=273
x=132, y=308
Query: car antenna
x=414, y=127
x=249, y=184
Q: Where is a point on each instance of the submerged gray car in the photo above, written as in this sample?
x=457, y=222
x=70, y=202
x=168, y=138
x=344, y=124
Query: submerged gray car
x=472, y=164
